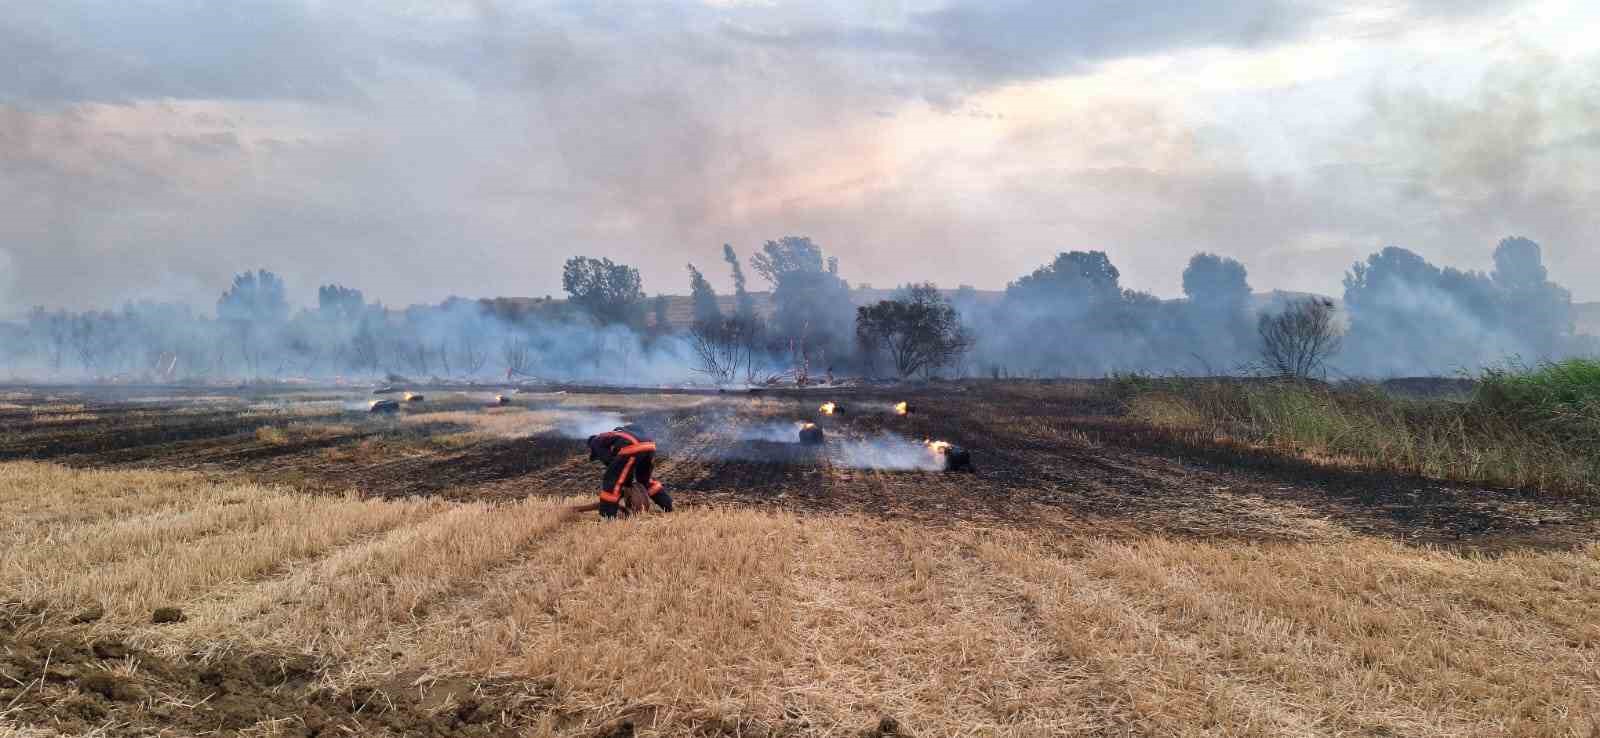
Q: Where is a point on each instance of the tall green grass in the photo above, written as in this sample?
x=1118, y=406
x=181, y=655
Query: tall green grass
x=1530, y=429
x=1563, y=397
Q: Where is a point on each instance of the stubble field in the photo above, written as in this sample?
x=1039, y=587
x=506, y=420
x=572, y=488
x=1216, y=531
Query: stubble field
x=329, y=573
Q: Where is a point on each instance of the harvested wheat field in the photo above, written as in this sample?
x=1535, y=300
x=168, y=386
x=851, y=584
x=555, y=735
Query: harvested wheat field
x=175, y=567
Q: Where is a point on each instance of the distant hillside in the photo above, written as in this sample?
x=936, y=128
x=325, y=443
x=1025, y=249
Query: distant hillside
x=1588, y=315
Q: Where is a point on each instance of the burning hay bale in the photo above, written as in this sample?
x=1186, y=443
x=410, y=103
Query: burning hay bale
x=383, y=407
x=502, y=400
x=955, y=457
x=830, y=408
x=810, y=434
x=903, y=409
x=414, y=397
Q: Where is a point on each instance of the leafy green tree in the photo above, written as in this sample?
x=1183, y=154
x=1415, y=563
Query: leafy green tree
x=610, y=292
x=1080, y=277
x=921, y=331
x=744, y=306
x=703, y=297
x=814, y=313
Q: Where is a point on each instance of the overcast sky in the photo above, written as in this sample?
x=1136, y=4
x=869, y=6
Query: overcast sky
x=420, y=149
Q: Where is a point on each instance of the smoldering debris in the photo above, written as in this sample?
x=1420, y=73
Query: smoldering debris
x=889, y=452
x=777, y=431
x=383, y=407
x=776, y=441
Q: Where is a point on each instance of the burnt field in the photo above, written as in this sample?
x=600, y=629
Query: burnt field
x=1051, y=455
x=284, y=562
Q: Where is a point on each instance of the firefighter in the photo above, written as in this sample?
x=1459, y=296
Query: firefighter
x=629, y=457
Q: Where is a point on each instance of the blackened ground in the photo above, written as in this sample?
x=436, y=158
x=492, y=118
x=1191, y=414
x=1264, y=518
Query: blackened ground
x=1056, y=455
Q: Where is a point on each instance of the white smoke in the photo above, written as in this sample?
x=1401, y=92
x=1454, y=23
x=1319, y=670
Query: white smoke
x=887, y=452
x=585, y=423
x=772, y=432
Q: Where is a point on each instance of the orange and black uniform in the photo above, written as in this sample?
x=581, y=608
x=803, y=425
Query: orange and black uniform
x=629, y=457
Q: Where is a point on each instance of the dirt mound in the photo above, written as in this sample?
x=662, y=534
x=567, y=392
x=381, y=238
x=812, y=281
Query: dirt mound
x=61, y=682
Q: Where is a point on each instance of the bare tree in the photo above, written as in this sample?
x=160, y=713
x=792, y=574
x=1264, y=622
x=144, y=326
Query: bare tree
x=471, y=352
x=517, y=353
x=414, y=352
x=97, y=338
x=300, y=347
x=53, y=330
x=443, y=352
x=1299, y=340
x=721, y=348
x=751, y=337
x=365, y=354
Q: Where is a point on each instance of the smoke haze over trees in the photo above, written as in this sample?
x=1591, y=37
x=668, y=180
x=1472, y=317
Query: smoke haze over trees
x=1410, y=316
x=814, y=315
x=1399, y=315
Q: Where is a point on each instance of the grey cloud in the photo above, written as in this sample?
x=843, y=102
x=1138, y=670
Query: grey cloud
x=1508, y=160
x=1446, y=178
x=967, y=46
x=482, y=151
x=79, y=50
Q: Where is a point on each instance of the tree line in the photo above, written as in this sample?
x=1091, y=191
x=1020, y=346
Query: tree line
x=1398, y=315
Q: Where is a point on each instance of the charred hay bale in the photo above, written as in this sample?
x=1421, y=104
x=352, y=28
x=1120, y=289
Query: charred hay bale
x=383, y=406
x=958, y=459
x=414, y=397
x=810, y=435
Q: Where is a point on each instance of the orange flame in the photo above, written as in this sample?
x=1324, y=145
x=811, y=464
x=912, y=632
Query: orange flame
x=902, y=409
x=827, y=408
x=937, y=447
x=804, y=426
